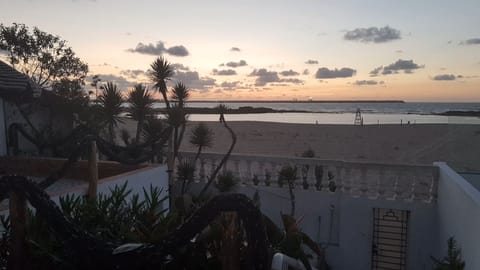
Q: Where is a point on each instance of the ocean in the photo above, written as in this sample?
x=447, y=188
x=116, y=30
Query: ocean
x=344, y=113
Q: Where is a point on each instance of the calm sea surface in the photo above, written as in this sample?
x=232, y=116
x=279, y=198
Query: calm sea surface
x=344, y=113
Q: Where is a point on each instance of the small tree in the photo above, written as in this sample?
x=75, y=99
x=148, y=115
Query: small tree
x=289, y=174
x=201, y=137
x=44, y=57
x=111, y=101
x=140, y=102
x=453, y=260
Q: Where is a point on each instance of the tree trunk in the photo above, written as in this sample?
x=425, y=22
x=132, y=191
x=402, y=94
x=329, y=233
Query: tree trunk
x=230, y=250
x=139, y=130
x=224, y=159
x=18, y=212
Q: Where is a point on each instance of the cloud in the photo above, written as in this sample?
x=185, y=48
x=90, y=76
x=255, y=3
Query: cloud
x=407, y=66
x=224, y=72
x=293, y=80
x=264, y=76
x=373, y=34
x=232, y=64
x=132, y=73
x=178, y=66
x=178, y=51
x=306, y=72
x=311, y=62
x=235, y=49
x=325, y=73
x=367, y=82
x=229, y=86
x=445, y=77
x=193, y=80
x=121, y=82
x=159, y=49
x=289, y=73
x=472, y=41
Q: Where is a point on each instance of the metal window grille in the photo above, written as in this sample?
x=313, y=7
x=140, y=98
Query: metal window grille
x=390, y=231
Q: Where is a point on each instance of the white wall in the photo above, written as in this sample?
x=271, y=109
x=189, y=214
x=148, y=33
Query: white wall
x=352, y=229
x=3, y=130
x=458, y=216
x=137, y=180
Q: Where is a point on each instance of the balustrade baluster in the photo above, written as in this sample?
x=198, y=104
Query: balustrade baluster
x=338, y=180
x=212, y=169
x=261, y=172
x=202, y=177
x=347, y=180
x=382, y=183
x=311, y=180
x=363, y=185
x=324, y=182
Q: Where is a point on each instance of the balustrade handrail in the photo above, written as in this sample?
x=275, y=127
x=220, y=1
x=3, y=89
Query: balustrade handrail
x=358, y=178
x=305, y=159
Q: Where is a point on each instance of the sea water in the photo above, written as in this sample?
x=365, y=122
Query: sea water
x=344, y=113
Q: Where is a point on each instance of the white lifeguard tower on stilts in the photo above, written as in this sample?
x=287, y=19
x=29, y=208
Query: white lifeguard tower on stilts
x=358, y=118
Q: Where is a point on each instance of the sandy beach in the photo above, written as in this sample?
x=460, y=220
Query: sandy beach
x=458, y=145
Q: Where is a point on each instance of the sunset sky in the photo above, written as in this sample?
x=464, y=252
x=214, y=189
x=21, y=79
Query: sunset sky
x=426, y=50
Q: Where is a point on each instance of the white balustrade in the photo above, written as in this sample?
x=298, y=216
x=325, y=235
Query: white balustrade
x=357, y=179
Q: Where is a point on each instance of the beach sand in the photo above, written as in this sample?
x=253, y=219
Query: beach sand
x=458, y=145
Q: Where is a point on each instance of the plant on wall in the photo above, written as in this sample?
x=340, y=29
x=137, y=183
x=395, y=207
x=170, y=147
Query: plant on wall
x=453, y=260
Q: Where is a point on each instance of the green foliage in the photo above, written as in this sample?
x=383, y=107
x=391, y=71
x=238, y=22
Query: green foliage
x=186, y=173
x=288, y=174
x=201, y=136
x=161, y=71
x=226, y=182
x=44, y=57
x=111, y=102
x=115, y=218
x=453, y=259
x=180, y=94
x=308, y=153
x=255, y=180
x=4, y=241
x=140, y=106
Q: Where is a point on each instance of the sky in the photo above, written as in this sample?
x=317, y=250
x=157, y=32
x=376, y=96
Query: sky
x=425, y=50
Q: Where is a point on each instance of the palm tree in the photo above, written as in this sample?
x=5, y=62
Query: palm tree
x=201, y=137
x=161, y=72
x=180, y=94
x=176, y=118
x=111, y=101
x=140, y=101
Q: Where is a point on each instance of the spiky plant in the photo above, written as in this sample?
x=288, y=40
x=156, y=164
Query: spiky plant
x=111, y=102
x=161, y=72
x=140, y=101
x=186, y=173
x=288, y=173
x=201, y=137
x=453, y=260
x=180, y=94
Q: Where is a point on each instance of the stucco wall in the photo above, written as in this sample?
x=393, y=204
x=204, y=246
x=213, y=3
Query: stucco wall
x=43, y=118
x=458, y=216
x=137, y=180
x=3, y=130
x=352, y=223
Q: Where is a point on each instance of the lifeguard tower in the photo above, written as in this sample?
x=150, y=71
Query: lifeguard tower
x=358, y=118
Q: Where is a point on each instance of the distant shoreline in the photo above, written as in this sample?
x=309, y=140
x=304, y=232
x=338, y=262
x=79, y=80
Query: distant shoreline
x=259, y=110
x=296, y=101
